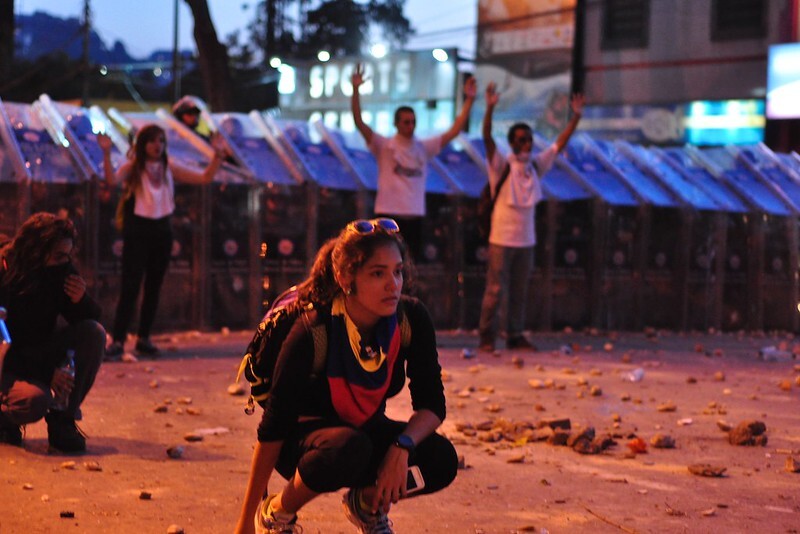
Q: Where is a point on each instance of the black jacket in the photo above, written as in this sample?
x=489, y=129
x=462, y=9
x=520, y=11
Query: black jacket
x=32, y=320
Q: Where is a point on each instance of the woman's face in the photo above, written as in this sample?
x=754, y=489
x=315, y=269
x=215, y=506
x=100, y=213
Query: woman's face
x=61, y=253
x=154, y=147
x=376, y=287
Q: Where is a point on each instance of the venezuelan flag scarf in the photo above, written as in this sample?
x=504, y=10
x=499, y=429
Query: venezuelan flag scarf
x=358, y=375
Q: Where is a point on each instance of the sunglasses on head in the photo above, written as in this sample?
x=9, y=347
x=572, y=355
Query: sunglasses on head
x=364, y=226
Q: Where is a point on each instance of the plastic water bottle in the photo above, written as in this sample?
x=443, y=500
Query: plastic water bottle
x=61, y=401
x=634, y=376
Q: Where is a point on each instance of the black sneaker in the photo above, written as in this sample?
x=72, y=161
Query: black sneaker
x=63, y=434
x=10, y=433
x=145, y=348
x=114, y=351
x=519, y=342
x=486, y=344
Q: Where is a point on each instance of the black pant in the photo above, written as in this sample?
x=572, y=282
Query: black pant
x=147, y=244
x=26, y=400
x=330, y=456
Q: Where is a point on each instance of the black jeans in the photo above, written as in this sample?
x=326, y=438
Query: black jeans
x=26, y=400
x=330, y=456
x=147, y=244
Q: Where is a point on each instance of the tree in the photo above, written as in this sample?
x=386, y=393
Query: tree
x=212, y=58
x=338, y=26
x=6, y=38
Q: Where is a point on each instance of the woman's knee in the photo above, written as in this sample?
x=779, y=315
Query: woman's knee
x=339, y=461
x=26, y=403
x=438, y=460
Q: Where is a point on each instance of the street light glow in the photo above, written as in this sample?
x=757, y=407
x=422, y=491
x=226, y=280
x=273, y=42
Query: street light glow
x=323, y=55
x=378, y=50
x=275, y=62
x=440, y=55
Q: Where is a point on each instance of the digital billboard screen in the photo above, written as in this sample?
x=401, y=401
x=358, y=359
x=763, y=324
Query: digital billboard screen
x=783, y=81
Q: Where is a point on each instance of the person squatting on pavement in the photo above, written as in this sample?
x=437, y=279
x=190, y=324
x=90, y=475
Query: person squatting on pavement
x=38, y=283
x=148, y=201
x=330, y=431
x=512, y=237
x=403, y=160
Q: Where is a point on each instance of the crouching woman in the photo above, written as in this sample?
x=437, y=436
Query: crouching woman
x=328, y=431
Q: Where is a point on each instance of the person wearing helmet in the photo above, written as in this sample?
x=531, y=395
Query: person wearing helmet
x=187, y=111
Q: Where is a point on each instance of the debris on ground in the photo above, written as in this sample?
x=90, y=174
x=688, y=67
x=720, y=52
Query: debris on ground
x=707, y=470
x=748, y=433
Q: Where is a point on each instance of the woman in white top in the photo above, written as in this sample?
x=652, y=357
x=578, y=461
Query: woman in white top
x=148, y=200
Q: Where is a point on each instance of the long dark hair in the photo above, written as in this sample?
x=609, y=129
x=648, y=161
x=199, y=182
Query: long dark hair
x=144, y=136
x=345, y=254
x=26, y=255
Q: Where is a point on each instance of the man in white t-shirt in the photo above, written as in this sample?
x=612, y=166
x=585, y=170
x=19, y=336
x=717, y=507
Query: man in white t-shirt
x=403, y=161
x=513, y=236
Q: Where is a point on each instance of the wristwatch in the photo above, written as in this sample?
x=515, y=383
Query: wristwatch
x=405, y=442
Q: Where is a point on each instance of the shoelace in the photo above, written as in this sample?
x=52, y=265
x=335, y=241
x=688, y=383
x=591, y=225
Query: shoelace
x=379, y=524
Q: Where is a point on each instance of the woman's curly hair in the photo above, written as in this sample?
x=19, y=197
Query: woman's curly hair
x=26, y=255
x=344, y=255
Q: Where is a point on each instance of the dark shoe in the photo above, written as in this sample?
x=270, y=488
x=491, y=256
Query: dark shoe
x=114, y=351
x=519, y=342
x=62, y=433
x=10, y=433
x=145, y=348
x=486, y=344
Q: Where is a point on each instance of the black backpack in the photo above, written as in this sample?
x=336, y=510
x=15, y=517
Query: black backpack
x=261, y=355
x=486, y=205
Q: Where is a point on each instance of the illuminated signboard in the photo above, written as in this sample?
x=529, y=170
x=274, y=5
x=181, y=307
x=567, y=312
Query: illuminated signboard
x=417, y=79
x=783, y=81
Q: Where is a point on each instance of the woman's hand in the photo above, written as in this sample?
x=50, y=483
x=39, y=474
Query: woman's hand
x=219, y=145
x=74, y=287
x=62, y=383
x=104, y=142
x=391, y=484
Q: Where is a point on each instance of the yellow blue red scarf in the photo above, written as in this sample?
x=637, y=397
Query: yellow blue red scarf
x=359, y=376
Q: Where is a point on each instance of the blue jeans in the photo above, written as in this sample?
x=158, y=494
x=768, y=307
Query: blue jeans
x=508, y=270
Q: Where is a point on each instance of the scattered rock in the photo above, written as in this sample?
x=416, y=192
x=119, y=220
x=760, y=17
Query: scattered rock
x=595, y=391
x=238, y=390
x=161, y=408
x=175, y=451
x=792, y=465
x=785, y=385
x=191, y=436
x=748, y=433
x=667, y=407
x=535, y=383
x=517, y=362
x=68, y=465
x=155, y=384
x=67, y=514
x=175, y=529
x=559, y=437
x=637, y=446
x=707, y=470
x=691, y=380
x=27, y=486
x=724, y=425
x=661, y=441
x=145, y=495
x=719, y=376
x=92, y=465
x=184, y=400
x=516, y=459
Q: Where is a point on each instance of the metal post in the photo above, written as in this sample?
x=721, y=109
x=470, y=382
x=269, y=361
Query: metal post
x=87, y=25
x=176, y=57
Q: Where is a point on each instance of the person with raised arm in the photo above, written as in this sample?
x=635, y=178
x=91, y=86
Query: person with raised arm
x=513, y=236
x=403, y=160
x=143, y=215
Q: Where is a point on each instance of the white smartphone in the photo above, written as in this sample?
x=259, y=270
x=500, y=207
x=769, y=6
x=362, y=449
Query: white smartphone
x=414, y=480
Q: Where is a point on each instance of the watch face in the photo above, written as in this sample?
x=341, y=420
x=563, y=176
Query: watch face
x=405, y=442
